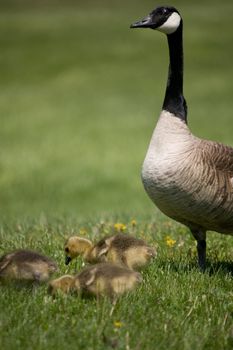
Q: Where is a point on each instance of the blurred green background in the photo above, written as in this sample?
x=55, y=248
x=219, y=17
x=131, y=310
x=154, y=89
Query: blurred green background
x=80, y=94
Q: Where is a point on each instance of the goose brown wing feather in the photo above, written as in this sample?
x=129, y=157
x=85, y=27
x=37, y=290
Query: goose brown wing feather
x=221, y=156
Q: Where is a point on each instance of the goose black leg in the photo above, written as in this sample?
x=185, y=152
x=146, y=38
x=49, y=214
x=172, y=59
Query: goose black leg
x=200, y=237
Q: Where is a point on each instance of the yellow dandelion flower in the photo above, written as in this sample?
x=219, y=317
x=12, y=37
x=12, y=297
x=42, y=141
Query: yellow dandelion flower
x=117, y=324
x=170, y=242
x=119, y=227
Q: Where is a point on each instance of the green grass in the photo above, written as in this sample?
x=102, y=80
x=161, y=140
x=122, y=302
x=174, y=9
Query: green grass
x=79, y=97
x=176, y=307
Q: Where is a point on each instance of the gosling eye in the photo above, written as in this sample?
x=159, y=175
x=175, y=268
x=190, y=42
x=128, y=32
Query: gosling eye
x=67, y=250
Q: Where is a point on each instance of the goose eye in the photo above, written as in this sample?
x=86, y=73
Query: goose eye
x=67, y=250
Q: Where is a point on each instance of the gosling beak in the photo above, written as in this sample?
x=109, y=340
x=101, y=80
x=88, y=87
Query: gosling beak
x=144, y=23
x=67, y=260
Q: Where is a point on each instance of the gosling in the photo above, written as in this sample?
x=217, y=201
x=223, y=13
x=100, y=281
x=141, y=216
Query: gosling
x=26, y=265
x=104, y=279
x=120, y=249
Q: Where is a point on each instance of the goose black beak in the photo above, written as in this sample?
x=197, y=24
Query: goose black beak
x=67, y=260
x=144, y=23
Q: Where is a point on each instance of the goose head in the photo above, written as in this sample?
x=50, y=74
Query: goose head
x=166, y=19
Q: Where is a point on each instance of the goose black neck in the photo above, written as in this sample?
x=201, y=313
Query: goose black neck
x=174, y=101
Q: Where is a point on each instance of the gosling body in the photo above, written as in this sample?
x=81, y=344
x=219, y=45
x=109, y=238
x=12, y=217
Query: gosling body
x=26, y=265
x=106, y=279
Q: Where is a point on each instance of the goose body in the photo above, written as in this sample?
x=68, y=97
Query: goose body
x=26, y=265
x=121, y=249
x=181, y=177
x=188, y=178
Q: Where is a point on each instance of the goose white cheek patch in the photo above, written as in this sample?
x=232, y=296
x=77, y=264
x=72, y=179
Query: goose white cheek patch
x=171, y=24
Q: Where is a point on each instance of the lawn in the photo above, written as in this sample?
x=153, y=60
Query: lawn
x=80, y=94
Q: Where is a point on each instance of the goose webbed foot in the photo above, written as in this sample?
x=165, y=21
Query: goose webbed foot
x=200, y=237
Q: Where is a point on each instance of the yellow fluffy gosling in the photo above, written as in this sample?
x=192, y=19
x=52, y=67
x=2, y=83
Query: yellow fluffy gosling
x=98, y=280
x=120, y=249
x=26, y=265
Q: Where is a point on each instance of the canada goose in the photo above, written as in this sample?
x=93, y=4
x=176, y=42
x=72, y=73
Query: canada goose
x=122, y=249
x=65, y=284
x=26, y=265
x=189, y=179
x=106, y=279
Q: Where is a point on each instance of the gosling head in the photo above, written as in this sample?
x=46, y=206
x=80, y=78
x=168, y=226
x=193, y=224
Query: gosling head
x=76, y=246
x=166, y=19
x=63, y=284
